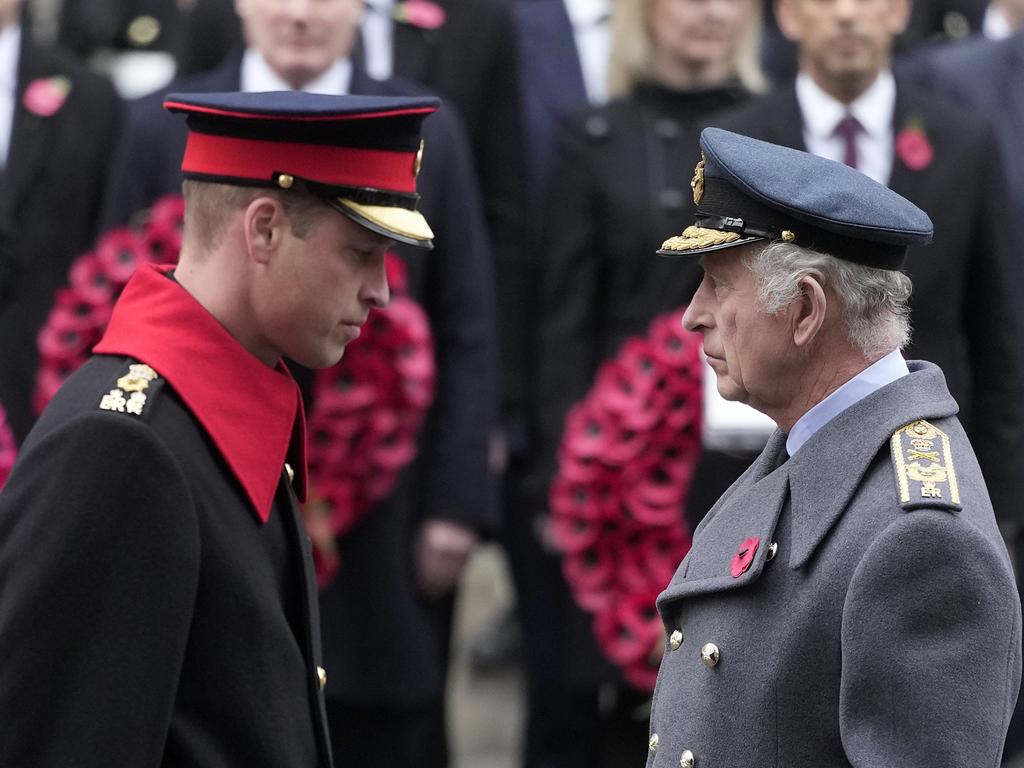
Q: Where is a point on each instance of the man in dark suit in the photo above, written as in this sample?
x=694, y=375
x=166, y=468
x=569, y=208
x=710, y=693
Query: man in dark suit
x=58, y=126
x=562, y=60
x=401, y=560
x=987, y=76
x=465, y=51
x=847, y=105
x=159, y=600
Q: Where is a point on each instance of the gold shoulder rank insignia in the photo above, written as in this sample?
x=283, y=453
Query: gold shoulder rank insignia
x=135, y=382
x=925, y=476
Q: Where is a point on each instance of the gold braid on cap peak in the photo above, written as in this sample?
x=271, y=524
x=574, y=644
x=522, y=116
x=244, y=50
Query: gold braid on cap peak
x=698, y=237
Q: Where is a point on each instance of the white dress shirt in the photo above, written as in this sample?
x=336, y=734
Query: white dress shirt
x=591, y=26
x=995, y=25
x=10, y=47
x=873, y=109
x=874, y=377
x=257, y=75
x=378, y=32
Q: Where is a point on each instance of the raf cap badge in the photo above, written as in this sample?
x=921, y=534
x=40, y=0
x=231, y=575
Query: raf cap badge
x=697, y=182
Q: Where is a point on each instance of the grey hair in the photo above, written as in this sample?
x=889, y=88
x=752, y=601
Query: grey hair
x=875, y=312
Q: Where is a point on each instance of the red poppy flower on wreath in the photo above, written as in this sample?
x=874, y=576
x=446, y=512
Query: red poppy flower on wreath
x=628, y=633
x=366, y=410
x=8, y=449
x=913, y=147
x=617, y=502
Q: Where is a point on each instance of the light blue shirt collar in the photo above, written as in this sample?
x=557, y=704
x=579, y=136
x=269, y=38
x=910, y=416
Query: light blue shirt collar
x=875, y=376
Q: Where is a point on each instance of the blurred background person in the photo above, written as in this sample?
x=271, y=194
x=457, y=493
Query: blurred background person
x=58, y=125
x=620, y=172
x=134, y=42
x=846, y=104
x=987, y=75
x=401, y=562
x=563, y=54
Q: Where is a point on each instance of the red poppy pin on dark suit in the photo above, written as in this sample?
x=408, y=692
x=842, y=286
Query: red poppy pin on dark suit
x=913, y=146
x=741, y=560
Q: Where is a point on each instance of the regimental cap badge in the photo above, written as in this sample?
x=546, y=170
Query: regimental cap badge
x=697, y=182
x=923, y=461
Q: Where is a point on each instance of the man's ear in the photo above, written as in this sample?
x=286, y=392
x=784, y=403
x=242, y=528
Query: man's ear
x=899, y=16
x=808, y=311
x=263, y=223
x=787, y=15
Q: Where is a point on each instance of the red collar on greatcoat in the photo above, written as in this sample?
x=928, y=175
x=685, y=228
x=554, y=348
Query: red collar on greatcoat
x=252, y=413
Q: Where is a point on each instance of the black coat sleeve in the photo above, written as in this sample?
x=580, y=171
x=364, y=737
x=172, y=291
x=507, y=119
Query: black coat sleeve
x=99, y=562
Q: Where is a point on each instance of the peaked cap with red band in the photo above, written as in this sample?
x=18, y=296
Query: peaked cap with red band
x=361, y=154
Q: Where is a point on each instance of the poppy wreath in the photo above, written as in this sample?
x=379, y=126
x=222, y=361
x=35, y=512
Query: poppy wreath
x=366, y=410
x=82, y=309
x=625, y=465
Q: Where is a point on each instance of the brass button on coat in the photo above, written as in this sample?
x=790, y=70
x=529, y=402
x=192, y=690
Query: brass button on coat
x=675, y=640
x=686, y=760
x=321, y=675
x=653, y=743
x=291, y=472
x=709, y=655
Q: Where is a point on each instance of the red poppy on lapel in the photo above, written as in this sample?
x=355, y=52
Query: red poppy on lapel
x=741, y=560
x=422, y=14
x=913, y=147
x=44, y=96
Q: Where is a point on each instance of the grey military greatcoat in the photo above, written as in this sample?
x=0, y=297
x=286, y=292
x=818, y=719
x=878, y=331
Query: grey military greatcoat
x=853, y=605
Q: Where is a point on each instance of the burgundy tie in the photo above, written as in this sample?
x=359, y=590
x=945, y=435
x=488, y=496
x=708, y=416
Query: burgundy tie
x=847, y=129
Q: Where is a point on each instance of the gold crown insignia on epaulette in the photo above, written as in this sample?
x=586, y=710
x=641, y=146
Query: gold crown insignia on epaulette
x=135, y=383
x=924, y=466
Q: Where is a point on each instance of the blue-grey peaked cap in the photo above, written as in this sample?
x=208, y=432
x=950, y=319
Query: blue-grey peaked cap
x=748, y=190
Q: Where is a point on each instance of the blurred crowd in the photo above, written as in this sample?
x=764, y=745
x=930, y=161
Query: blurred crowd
x=563, y=157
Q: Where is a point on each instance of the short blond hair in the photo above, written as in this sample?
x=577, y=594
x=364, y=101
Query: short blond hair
x=632, y=53
x=208, y=206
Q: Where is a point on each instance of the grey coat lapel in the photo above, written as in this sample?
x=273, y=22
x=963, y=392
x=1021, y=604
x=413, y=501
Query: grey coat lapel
x=750, y=508
x=819, y=483
x=822, y=479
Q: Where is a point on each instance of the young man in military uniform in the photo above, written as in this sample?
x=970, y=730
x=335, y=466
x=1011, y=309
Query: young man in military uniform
x=159, y=605
x=849, y=600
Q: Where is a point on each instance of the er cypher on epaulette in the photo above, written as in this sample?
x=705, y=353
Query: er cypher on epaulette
x=923, y=462
x=132, y=390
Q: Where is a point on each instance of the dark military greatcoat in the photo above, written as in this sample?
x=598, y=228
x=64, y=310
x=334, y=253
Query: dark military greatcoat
x=157, y=599
x=853, y=605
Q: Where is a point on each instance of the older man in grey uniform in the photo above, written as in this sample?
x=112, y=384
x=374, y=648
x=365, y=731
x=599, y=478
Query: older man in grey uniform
x=849, y=600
